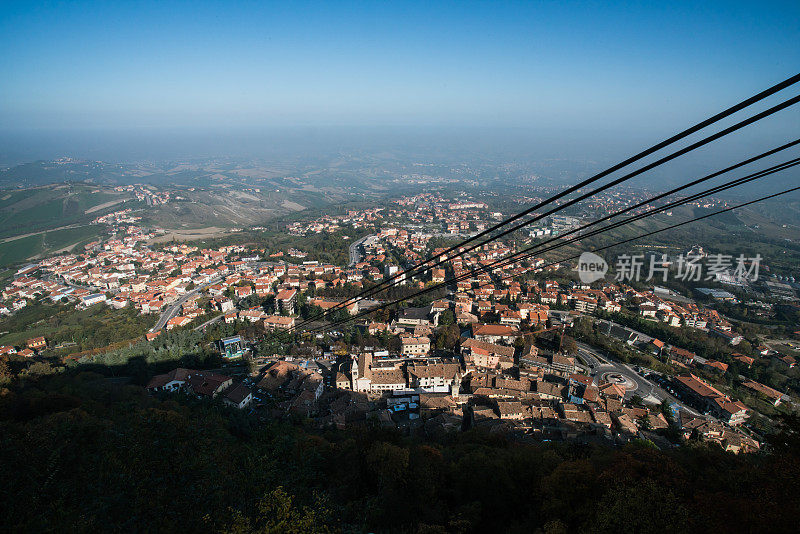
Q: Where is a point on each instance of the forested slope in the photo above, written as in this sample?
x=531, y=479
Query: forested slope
x=80, y=454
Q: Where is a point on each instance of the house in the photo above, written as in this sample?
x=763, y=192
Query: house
x=493, y=333
x=625, y=423
x=386, y=379
x=773, y=395
x=709, y=399
x=243, y=291
x=118, y=302
x=216, y=290
x=178, y=321
x=286, y=299
x=681, y=355
x=207, y=384
x=508, y=409
x=612, y=390
x=647, y=310
x=171, y=381
x=223, y=304
x=90, y=300
x=585, y=304
x=549, y=390
x=36, y=343
x=439, y=306
x=485, y=355
x=656, y=346
x=376, y=328
x=563, y=364
x=510, y=317
x=657, y=421
x=669, y=317
x=530, y=357
x=366, y=377
x=278, y=322
x=574, y=413
x=415, y=346
x=150, y=336
x=326, y=305
x=239, y=396
x=252, y=315
x=435, y=378
x=732, y=412
x=342, y=381
x=716, y=366
x=277, y=375
x=414, y=316
x=728, y=336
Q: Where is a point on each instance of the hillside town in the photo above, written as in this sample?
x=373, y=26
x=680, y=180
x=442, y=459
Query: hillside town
x=497, y=349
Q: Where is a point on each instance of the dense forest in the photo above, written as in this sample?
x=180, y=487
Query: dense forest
x=80, y=453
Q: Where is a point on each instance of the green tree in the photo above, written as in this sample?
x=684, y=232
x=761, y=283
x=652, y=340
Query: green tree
x=446, y=318
x=644, y=507
x=276, y=513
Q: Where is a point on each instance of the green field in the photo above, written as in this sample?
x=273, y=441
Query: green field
x=43, y=208
x=90, y=328
x=24, y=248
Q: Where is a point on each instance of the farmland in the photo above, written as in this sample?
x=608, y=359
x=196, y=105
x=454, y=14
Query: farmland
x=18, y=250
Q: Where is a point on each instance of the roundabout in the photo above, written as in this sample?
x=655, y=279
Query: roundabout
x=621, y=380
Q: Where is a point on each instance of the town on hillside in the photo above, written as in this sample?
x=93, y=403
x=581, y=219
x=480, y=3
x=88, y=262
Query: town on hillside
x=519, y=347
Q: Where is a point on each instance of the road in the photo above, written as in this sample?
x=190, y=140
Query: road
x=172, y=310
x=210, y=321
x=21, y=236
x=600, y=365
x=647, y=390
x=355, y=253
x=605, y=327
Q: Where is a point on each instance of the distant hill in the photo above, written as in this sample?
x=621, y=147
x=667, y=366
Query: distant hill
x=47, y=172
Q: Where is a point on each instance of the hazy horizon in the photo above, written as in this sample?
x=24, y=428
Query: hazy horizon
x=171, y=80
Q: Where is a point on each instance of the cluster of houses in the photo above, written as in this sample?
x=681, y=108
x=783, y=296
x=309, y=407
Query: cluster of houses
x=657, y=304
x=493, y=384
x=144, y=193
x=331, y=223
x=498, y=378
x=436, y=211
x=32, y=347
x=203, y=384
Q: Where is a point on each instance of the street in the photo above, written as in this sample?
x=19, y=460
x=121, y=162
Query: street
x=172, y=310
x=355, y=253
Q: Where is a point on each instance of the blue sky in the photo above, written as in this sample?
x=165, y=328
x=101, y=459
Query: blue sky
x=171, y=64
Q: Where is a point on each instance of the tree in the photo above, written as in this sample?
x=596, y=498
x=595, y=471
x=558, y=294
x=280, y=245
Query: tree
x=5, y=372
x=569, y=345
x=787, y=439
x=640, y=507
x=276, y=513
x=447, y=337
x=446, y=318
x=388, y=462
